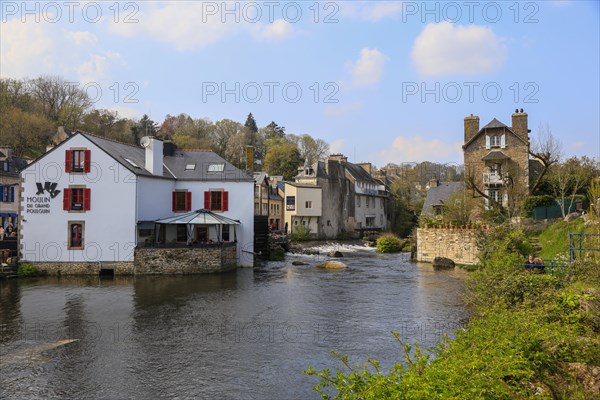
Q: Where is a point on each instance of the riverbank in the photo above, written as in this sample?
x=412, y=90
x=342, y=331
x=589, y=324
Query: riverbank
x=530, y=336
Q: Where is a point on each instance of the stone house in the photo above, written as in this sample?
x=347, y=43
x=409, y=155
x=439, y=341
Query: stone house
x=353, y=201
x=496, y=159
x=437, y=197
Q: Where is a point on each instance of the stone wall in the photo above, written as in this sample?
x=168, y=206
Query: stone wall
x=185, y=260
x=83, y=268
x=457, y=244
x=154, y=261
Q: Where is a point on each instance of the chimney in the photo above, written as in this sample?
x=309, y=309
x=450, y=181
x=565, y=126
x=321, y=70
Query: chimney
x=433, y=182
x=250, y=158
x=367, y=167
x=471, y=127
x=154, y=156
x=7, y=151
x=169, y=148
x=519, y=124
x=339, y=158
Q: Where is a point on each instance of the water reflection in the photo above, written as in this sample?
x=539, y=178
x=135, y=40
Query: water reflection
x=245, y=334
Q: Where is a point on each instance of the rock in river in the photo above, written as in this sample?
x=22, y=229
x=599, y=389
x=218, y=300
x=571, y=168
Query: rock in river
x=443, y=263
x=331, y=264
x=335, y=253
x=298, y=262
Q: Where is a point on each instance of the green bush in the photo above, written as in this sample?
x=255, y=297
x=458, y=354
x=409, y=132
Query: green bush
x=537, y=201
x=301, y=233
x=27, y=270
x=389, y=243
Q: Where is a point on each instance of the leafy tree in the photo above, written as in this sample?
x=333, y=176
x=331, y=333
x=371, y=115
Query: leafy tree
x=222, y=131
x=29, y=132
x=63, y=103
x=283, y=159
x=571, y=178
x=311, y=150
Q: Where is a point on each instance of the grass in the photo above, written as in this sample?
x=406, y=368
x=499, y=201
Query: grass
x=555, y=239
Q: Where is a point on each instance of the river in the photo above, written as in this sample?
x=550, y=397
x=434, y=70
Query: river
x=248, y=334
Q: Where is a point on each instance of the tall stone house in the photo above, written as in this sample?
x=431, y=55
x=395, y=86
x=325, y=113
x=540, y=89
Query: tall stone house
x=353, y=202
x=496, y=159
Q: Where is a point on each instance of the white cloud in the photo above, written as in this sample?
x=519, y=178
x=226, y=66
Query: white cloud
x=415, y=148
x=278, y=30
x=338, y=110
x=34, y=49
x=336, y=146
x=371, y=11
x=577, y=145
x=445, y=48
x=192, y=25
x=368, y=70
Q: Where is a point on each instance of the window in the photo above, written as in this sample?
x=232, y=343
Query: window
x=358, y=201
x=77, y=160
x=328, y=223
x=370, y=221
x=182, y=201
x=190, y=167
x=181, y=233
x=438, y=210
x=225, y=233
x=5, y=166
x=77, y=199
x=218, y=200
x=216, y=167
x=134, y=165
x=494, y=196
x=495, y=141
x=381, y=219
x=76, y=235
x=367, y=202
x=7, y=194
x=308, y=204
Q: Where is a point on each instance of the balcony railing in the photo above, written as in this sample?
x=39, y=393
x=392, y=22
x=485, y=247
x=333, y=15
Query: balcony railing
x=492, y=178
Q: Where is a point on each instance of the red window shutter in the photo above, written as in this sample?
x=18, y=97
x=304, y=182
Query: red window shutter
x=87, y=196
x=188, y=201
x=67, y=199
x=87, y=161
x=225, y=201
x=207, y=200
x=174, y=201
x=68, y=160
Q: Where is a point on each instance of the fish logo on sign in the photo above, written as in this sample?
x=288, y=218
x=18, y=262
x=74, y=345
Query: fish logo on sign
x=47, y=187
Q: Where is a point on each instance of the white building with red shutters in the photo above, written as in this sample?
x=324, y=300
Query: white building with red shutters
x=94, y=200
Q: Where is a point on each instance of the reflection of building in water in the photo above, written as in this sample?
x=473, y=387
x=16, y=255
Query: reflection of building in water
x=11, y=324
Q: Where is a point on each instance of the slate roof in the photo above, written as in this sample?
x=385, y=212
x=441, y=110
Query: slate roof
x=15, y=165
x=359, y=173
x=495, y=155
x=175, y=166
x=493, y=124
x=438, y=195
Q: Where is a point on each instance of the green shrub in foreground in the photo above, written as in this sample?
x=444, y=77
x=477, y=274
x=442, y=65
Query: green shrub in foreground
x=389, y=243
x=27, y=270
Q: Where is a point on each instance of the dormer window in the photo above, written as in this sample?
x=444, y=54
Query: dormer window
x=495, y=141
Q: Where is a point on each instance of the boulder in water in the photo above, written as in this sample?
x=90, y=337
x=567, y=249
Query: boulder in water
x=335, y=253
x=443, y=263
x=331, y=264
x=298, y=262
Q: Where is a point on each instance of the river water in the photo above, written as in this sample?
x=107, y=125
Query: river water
x=248, y=334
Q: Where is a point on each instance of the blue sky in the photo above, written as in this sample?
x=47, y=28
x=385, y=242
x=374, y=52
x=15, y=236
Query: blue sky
x=380, y=81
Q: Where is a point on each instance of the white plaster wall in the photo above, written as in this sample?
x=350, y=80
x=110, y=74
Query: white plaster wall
x=110, y=225
x=241, y=207
x=155, y=199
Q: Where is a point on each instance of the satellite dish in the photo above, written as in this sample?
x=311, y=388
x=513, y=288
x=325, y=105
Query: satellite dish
x=145, y=141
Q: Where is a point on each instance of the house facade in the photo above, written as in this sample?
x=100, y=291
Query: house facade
x=353, y=201
x=10, y=189
x=303, y=207
x=268, y=199
x=496, y=159
x=91, y=201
